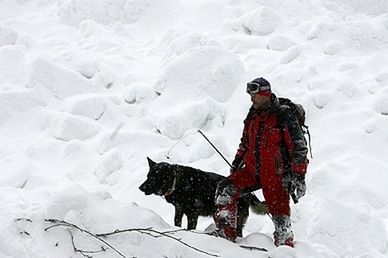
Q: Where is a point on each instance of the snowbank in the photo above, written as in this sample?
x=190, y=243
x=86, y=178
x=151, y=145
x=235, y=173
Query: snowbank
x=105, y=12
x=60, y=81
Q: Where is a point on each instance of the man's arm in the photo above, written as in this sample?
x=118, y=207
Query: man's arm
x=294, y=181
x=242, y=148
x=296, y=143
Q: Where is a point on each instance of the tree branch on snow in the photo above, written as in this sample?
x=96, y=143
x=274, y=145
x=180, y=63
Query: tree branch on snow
x=148, y=231
x=83, y=252
x=154, y=233
x=59, y=223
x=117, y=231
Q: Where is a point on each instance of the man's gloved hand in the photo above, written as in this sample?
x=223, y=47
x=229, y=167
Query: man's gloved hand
x=300, y=185
x=233, y=169
x=222, y=184
x=235, y=164
x=287, y=180
x=295, y=184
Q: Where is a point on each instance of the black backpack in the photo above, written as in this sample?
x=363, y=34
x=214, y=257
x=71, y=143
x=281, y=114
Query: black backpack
x=299, y=112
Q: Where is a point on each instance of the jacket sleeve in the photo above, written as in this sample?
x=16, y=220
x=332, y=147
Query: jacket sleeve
x=243, y=146
x=296, y=143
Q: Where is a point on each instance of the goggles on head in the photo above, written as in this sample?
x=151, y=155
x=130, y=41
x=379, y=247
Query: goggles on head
x=253, y=87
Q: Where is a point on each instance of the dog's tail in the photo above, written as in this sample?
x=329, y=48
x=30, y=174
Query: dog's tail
x=257, y=206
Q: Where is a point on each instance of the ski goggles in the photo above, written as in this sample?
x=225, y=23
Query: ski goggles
x=253, y=88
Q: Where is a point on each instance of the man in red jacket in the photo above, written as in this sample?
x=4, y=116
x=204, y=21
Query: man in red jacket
x=272, y=155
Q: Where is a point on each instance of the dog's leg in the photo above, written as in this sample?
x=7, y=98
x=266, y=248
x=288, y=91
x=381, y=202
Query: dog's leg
x=178, y=216
x=192, y=220
x=242, y=214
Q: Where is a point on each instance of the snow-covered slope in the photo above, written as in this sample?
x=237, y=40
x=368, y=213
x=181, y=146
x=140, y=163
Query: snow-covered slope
x=90, y=88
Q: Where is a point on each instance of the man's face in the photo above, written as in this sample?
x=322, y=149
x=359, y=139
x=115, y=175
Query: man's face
x=259, y=101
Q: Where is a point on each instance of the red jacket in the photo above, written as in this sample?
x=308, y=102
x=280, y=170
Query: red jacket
x=272, y=143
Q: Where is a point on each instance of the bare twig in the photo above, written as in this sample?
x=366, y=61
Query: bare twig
x=24, y=232
x=151, y=232
x=117, y=231
x=176, y=230
x=67, y=224
x=83, y=252
x=23, y=219
x=254, y=248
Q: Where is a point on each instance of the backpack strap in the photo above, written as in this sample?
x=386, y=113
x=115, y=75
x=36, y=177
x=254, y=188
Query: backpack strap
x=280, y=112
x=305, y=129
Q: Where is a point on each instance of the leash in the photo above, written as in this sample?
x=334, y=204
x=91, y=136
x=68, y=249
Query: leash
x=214, y=147
x=172, y=147
x=222, y=156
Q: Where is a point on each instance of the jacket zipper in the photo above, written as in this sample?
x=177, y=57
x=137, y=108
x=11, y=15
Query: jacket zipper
x=277, y=165
x=266, y=137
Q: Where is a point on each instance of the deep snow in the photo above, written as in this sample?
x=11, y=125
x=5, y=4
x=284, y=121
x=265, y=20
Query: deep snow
x=90, y=88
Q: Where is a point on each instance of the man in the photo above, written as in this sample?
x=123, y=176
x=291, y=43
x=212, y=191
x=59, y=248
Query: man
x=272, y=155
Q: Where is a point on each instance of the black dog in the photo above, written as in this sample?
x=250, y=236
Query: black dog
x=192, y=193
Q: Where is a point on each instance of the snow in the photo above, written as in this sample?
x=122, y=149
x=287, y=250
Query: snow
x=89, y=89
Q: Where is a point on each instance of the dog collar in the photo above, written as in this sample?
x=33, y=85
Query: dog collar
x=172, y=187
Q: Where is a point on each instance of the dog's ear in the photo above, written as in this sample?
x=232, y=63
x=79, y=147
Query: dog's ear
x=150, y=162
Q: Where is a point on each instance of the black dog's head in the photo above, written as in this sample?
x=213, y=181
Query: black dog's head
x=160, y=179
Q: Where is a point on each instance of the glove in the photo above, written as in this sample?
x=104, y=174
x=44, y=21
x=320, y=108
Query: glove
x=294, y=182
x=222, y=184
x=233, y=169
x=287, y=180
x=300, y=185
x=235, y=164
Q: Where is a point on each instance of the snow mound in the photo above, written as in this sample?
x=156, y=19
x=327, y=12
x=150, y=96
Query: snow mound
x=174, y=123
x=382, y=77
x=8, y=36
x=60, y=81
x=14, y=103
x=205, y=71
x=317, y=250
x=72, y=198
x=93, y=210
x=334, y=47
x=12, y=67
x=370, y=7
x=15, y=173
x=71, y=127
x=381, y=103
x=261, y=22
x=89, y=106
x=280, y=43
x=259, y=240
x=240, y=44
x=355, y=231
x=105, y=11
x=188, y=41
x=348, y=88
x=291, y=55
x=283, y=252
x=128, y=142
x=109, y=163
x=361, y=34
x=136, y=94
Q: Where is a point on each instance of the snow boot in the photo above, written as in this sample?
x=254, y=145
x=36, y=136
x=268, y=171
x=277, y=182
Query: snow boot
x=283, y=234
